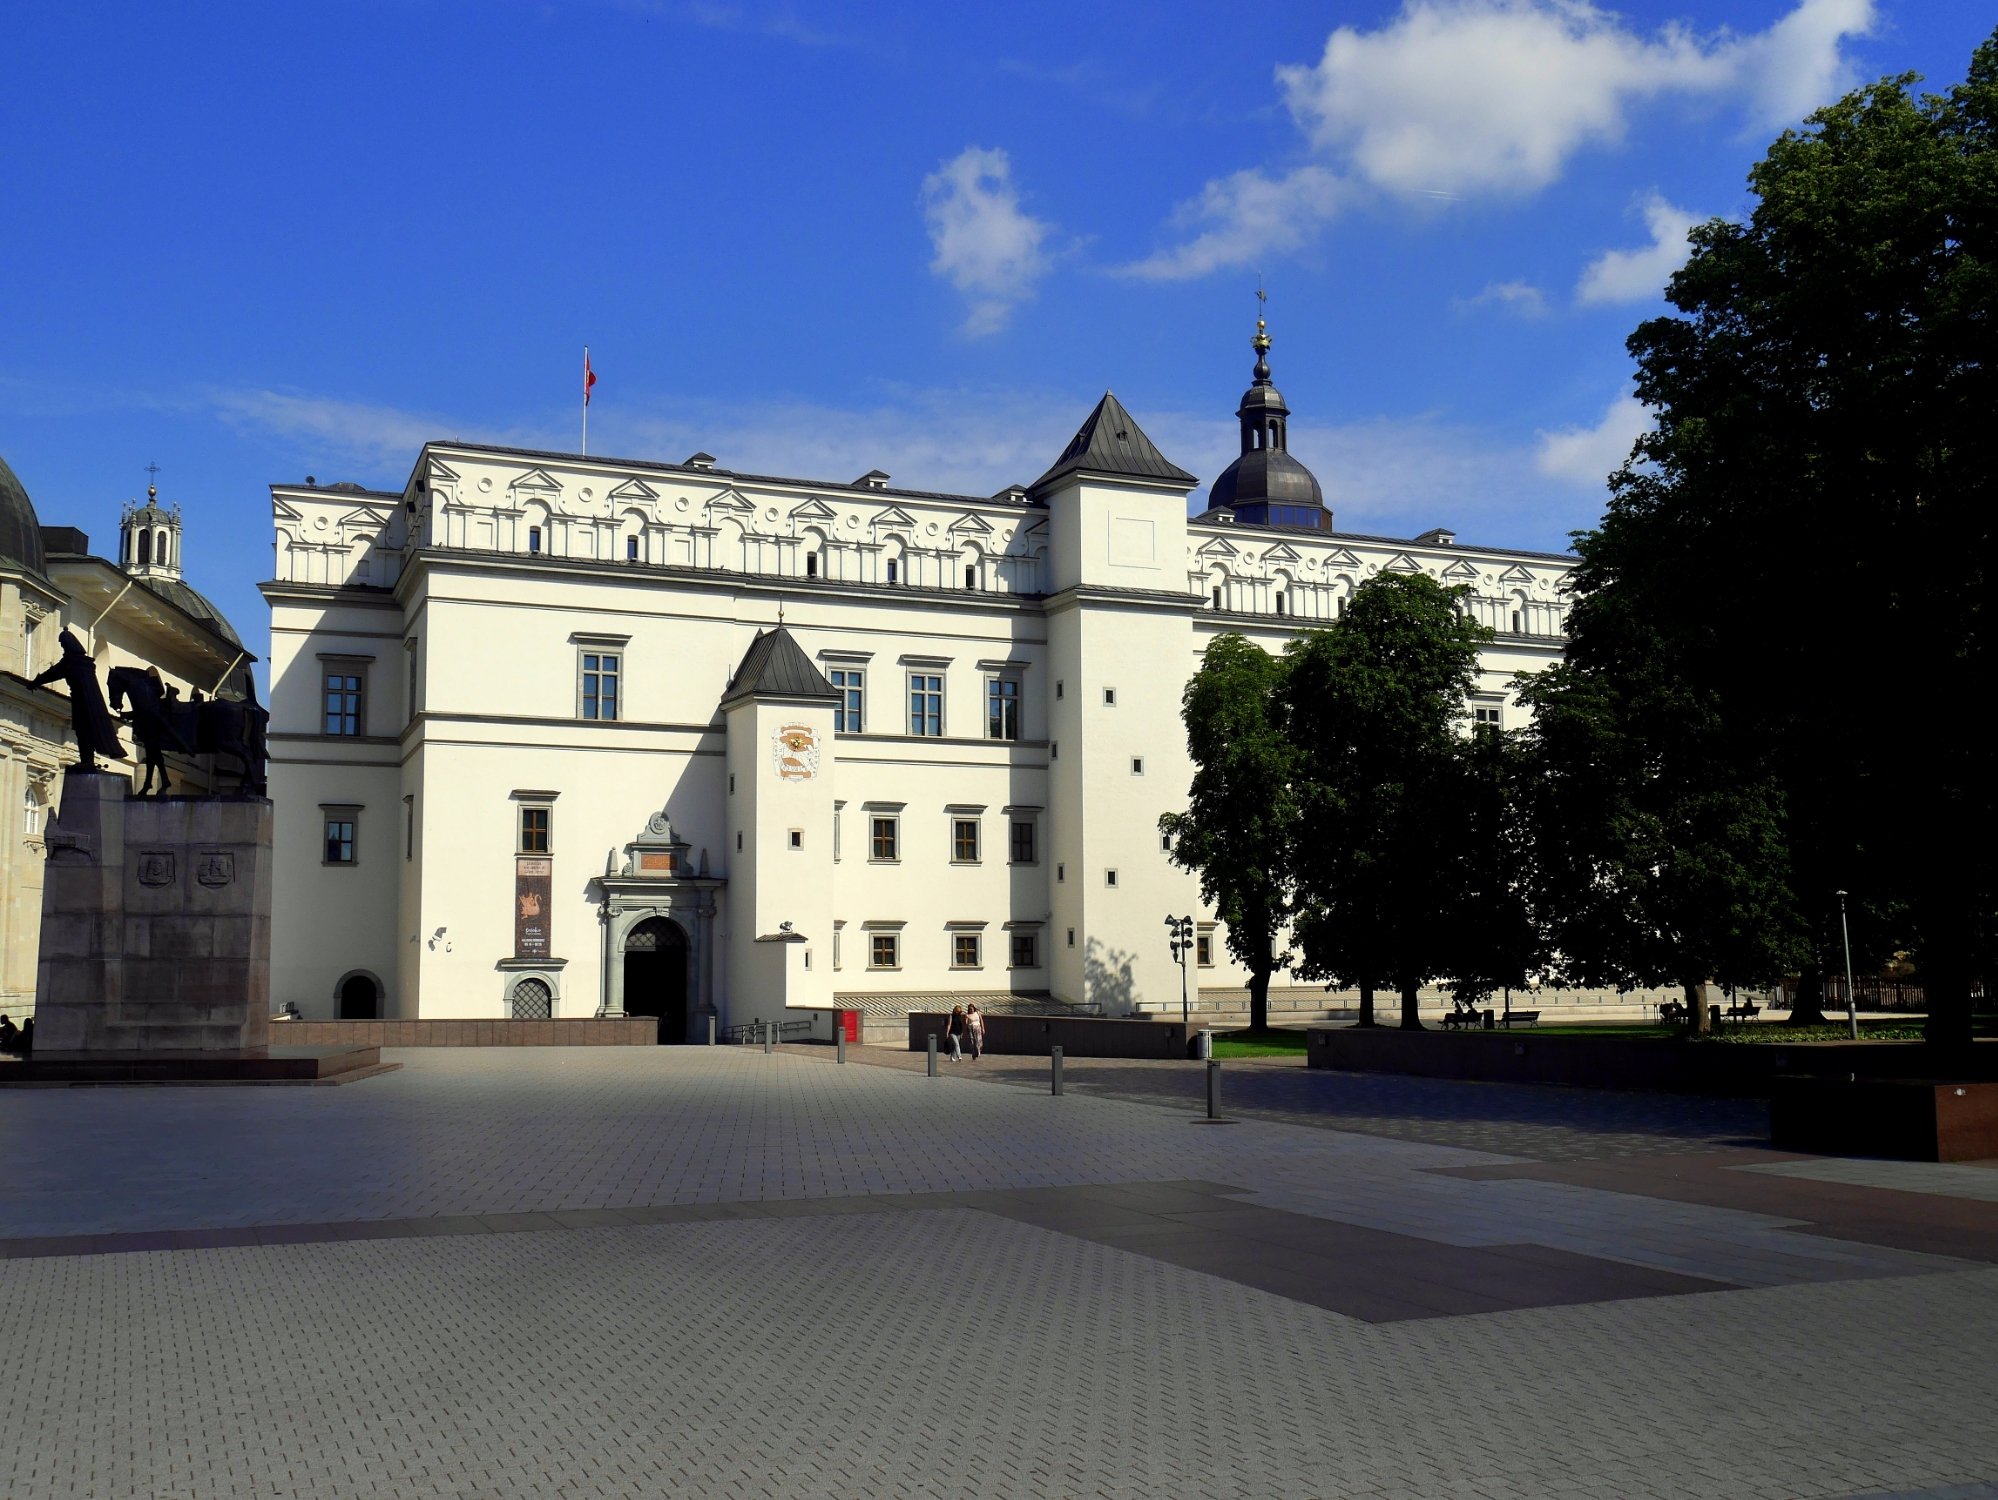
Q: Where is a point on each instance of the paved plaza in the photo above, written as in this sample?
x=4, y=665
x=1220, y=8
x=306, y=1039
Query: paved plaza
x=715, y=1272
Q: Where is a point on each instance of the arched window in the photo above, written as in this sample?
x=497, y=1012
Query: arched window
x=160, y=549
x=31, y=812
x=531, y=1000
x=145, y=548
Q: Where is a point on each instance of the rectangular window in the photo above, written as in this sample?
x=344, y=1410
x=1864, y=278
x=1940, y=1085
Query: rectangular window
x=631, y=549
x=1217, y=598
x=926, y=704
x=534, y=829
x=534, y=539
x=340, y=838
x=884, y=950
x=1002, y=708
x=1109, y=697
x=884, y=838
x=1023, y=841
x=964, y=950
x=1061, y=873
x=1137, y=765
x=343, y=700
x=1109, y=877
x=1071, y=937
x=1026, y=950
x=1203, y=949
x=964, y=840
x=601, y=670
x=893, y=572
x=1486, y=716
x=797, y=838
x=1279, y=603
x=848, y=714
x=811, y=565
x=409, y=828
x=971, y=575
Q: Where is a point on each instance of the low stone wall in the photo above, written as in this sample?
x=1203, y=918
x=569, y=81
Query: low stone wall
x=1914, y=1120
x=1741, y=1070
x=611, y=1031
x=1077, y=1036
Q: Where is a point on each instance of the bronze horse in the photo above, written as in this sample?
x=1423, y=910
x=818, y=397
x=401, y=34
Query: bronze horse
x=161, y=721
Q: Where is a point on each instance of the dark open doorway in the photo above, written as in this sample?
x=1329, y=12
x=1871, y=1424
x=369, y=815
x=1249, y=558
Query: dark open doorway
x=360, y=998
x=655, y=975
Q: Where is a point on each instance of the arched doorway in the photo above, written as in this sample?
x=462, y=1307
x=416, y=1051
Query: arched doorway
x=655, y=975
x=360, y=998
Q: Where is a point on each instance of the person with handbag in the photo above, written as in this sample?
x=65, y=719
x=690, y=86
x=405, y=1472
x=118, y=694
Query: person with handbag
x=974, y=1030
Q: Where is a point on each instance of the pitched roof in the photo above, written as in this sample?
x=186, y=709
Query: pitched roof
x=775, y=665
x=1110, y=442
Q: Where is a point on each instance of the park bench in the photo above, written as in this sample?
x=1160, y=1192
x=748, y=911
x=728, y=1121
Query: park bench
x=1672, y=1011
x=1520, y=1018
x=1742, y=1012
x=1463, y=1018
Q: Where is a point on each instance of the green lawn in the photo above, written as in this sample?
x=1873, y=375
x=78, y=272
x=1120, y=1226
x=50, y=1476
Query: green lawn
x=1259, y=1043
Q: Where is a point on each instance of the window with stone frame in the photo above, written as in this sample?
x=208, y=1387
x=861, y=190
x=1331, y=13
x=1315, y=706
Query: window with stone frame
x=884, y=837
x=884, y=950
x=850, y=712
x=535, y=828
x=1002, y=708
x=602, y=675
x=342, y=825
x=926, y=704
x=964, y=952
x=1026, y=950
x=1023, y=851
x=345, y=690
x=964, y=840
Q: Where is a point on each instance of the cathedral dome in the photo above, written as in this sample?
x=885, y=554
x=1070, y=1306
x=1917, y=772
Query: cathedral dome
x=20, y=528
x=1266, y=486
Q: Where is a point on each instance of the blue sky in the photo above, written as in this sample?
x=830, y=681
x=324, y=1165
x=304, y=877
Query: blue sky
x=255, y=242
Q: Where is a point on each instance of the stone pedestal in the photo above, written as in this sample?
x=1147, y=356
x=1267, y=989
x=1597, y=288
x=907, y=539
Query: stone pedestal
x=156, y=925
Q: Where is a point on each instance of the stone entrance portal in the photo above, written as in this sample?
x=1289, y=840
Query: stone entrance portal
x=655, y=976
x=659, y=934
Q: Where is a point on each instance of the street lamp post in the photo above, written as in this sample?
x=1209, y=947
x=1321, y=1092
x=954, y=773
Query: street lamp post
x=1851, y=1005
x=1180, y=931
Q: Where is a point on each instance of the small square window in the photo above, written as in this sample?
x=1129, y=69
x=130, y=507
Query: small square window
x=797, y=838
x=1054, y=749
x=1487, y=716
x=964, y=841
x=340, y=839
x=534, y=830
x=1109, y=697
x=964, y=950
x=1061, y=688
x=1203, y=950
x=884, y=838
x=1071, y=937
x=1026, y=950
x=1110, y=877
x=884, y=950
x=1137, y=765
x=1165, y=842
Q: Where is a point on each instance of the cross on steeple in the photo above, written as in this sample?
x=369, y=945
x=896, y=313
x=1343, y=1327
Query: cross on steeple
x=153, y=474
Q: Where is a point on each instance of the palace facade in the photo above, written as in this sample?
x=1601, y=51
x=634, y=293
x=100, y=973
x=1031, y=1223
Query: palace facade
x=580, y=735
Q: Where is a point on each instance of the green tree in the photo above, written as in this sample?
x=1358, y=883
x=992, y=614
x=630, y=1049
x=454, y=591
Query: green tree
x=1809, y=531
x=1239, y=828
x=1490, y=938
x=1658, y=848
x=1374, y=707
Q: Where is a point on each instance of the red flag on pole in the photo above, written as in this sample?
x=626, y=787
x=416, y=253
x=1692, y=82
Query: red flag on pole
x=589, y=377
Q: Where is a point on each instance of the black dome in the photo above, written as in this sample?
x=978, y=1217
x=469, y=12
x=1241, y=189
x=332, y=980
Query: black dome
x=1266, y=474
x=20, y=528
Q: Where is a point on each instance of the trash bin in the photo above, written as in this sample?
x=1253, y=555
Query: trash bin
x=1206, y=1043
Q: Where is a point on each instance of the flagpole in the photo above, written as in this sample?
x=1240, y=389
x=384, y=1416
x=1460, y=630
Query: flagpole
x=586, y=400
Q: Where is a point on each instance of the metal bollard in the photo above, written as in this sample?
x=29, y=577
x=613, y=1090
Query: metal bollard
x=1054, y=1056
x=1213, y=1088
x=769, y=1037
x=839, y=1041
x=711, y=1031
x=933, y=1054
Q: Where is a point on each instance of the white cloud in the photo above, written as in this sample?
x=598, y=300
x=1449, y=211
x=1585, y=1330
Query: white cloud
x=985, y=245
x=1489, y=98
x=1249, y=214
x=1521, y=298
x=1587, y=456
x=1640, y=275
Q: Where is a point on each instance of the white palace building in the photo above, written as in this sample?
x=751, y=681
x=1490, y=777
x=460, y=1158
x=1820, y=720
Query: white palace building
x=583, y=736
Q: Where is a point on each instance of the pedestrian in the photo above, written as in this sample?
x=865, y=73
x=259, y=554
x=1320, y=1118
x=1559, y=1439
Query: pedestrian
x=955, y=1033
x=974, y=1030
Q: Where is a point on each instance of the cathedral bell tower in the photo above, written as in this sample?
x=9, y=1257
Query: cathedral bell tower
x=1266, y=486
x=149, y=538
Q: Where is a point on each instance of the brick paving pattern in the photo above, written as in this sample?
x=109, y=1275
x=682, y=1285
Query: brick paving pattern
x=681, y=1272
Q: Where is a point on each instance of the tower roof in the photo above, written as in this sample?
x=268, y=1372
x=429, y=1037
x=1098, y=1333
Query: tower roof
x=1265, y=471
x=20, y=529
x=1111, y=442
x=775, y=666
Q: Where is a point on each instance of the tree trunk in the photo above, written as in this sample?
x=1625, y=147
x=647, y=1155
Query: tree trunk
x=1807, y=1006
x=1410, y=1020
x=1259, y=1000
x=1367, y=1003
x=1699, y=1020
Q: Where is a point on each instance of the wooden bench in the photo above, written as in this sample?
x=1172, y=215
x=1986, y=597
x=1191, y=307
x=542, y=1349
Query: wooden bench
x=1742, y=1012
x=1672, y=1012
x=1520, y=1018
x=1458, y=1020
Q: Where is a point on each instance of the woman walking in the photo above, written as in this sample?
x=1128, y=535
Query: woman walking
x=955, y=1033
x=974, y=1030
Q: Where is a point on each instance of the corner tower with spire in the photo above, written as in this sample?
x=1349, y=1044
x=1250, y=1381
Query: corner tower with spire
x=1266, y=486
